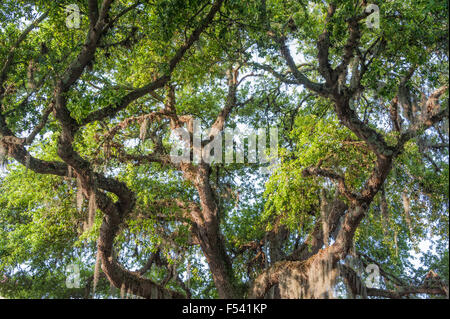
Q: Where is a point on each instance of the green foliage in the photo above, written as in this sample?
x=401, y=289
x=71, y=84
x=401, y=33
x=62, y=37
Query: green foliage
x=41, y=229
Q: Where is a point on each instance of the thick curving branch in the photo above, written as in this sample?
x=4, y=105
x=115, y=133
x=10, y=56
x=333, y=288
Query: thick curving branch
x=328, y=173
x=115, y=212
x=160, y=82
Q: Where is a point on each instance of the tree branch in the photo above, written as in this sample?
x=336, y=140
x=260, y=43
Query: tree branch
x=333, y=176
x=10, y=56
x=113, y=109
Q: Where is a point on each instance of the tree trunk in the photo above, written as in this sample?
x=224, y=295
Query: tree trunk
x=211, y=239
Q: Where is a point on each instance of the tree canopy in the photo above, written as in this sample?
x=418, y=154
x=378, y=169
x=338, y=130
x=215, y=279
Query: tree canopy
x=353, y=202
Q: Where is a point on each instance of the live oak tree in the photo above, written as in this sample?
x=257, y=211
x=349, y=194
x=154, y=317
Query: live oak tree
x=86, y=118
